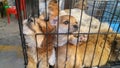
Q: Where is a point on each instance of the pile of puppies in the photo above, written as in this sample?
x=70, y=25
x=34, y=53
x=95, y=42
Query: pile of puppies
x=54, y=42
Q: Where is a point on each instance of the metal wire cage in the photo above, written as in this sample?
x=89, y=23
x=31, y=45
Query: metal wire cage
x=104, y=10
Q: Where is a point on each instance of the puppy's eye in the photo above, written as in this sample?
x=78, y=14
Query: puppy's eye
x=66, y=22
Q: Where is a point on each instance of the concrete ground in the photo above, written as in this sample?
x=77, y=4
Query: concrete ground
x=10, y=45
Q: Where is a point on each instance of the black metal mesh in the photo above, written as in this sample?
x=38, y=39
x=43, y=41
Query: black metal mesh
x=105, y=11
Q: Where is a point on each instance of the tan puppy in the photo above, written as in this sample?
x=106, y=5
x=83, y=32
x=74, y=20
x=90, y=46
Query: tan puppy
x=89, y=52
x=85, y=20
x=45, y=50
x=31, y=27
x=64, y=26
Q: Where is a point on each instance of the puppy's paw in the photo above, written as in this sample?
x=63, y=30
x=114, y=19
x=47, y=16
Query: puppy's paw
x=52, y=58
x=82, y=38
x=35, y=27
x=75, y=40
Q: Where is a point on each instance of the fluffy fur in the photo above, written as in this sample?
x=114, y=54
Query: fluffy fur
x=85, y=24
x=45, y=50
x=41, y=41
x=31, y=29
x=89, y=52
x=85, y=20
x=64, y=24
x=42, y=5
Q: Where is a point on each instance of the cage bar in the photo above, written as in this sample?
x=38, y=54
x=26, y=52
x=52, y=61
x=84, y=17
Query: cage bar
x=105, y=11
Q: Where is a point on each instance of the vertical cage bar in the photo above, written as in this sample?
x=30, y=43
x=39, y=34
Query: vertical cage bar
x=97, y=36
x=37, y=65
x=78, y=34
x=108, y=31
x=114, y=39
x=28, y=8
x=24, y=48
x=46, y=16
x=32, y=8
x=66, y=4
x=57, y=35
x=116, y=22
x=88, y=32
x=69, y=6
x=114, y=45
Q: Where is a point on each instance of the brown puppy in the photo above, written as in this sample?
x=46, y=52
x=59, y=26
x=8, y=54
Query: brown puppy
x=46, y=51
x=53, y=9
x=89, y=52
x=30, y=29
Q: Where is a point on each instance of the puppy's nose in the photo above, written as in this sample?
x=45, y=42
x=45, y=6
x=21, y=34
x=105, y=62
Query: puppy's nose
x=75, y=26
x=30, y=20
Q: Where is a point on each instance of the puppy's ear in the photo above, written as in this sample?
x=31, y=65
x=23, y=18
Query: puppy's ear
x=54, y=21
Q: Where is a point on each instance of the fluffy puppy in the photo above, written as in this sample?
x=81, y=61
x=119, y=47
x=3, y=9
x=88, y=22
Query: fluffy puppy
x=89, y=52
x=85, y=19
x=39, y=55
x=34, y=26
x=30, y=34
x=87, y=23
x=30, y=29
x=64, y=25
x=38, y=46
